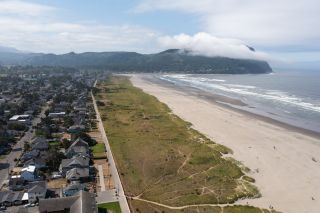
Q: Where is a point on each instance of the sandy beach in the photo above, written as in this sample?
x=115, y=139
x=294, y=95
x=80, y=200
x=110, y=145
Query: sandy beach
x=285, y=162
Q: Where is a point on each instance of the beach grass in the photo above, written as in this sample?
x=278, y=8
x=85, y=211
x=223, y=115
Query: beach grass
x=113, y=206
x=141, y=207
x=160, y=157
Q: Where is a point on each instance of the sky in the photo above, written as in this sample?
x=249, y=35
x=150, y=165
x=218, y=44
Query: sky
x=281, y=31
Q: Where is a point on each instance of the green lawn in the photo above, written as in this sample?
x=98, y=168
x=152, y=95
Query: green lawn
x=99, y=151
x=114, y=206
x=160, y=157
x=54, y=143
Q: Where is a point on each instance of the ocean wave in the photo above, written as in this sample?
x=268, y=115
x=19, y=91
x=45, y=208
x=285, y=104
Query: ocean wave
x=240, y=86
x=245, y=90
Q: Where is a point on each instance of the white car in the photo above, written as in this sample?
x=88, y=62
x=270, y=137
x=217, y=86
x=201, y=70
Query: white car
x=56, y=176
x=27, y=205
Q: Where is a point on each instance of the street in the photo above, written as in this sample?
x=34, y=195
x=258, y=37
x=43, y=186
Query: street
x=8, y=163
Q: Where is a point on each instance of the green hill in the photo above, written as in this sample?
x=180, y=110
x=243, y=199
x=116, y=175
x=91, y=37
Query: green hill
x=172, y=60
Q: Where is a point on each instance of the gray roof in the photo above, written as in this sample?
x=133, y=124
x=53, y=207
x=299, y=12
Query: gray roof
x=77, y=173
x=81, y=202
x=41, y=145
x=10, y=196
x=75, y=186
x=78, y=150
x=82, y=161
x=37, y=187
x=39, y=140
x=34, y=161
x=31, y=154
x=79, y=142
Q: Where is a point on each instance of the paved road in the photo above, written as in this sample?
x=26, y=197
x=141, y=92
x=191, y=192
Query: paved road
x=8, y=162
x=113, y=169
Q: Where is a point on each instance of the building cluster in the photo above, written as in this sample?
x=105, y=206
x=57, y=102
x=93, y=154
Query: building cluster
x=54, y=171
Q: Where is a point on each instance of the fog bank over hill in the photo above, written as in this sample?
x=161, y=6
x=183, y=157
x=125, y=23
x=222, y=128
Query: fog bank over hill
x=205, y=44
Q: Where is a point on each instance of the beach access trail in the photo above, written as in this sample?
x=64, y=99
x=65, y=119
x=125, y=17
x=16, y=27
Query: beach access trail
x=285, y=163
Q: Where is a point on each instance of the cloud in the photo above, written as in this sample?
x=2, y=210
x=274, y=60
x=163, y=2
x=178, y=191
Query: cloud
x=61, y=37
x=21, y=8
x=35, y=27
x=272, y=23
x=211, y=46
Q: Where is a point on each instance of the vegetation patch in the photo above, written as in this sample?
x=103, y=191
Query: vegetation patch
x=246, y=209
x=99, y=151
x=106, y=207
x=249, y=179
x=160, y=157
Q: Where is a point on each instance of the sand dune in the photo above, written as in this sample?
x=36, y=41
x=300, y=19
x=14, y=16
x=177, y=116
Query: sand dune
x=285, y=163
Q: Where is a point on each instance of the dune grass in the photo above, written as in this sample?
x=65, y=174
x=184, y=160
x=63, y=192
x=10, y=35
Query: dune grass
x=160, y=157
x=141, y=207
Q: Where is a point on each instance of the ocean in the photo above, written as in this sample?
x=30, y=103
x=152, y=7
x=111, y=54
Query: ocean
x=292, y=97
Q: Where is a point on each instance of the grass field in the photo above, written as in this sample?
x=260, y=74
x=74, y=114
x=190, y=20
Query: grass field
x=114, y=206
x=161, y=158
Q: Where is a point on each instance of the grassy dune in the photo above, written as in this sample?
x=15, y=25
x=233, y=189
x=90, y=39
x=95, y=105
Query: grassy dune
x=160, y=157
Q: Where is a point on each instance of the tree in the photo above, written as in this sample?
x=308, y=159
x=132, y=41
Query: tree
x=65, y=143
x=54, y=159
x=26, y=146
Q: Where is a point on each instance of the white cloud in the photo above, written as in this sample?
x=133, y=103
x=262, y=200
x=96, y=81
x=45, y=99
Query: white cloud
x=208, y=45
x=26, y=26
x=272, y=23
x=23, y=8
x=60, y=37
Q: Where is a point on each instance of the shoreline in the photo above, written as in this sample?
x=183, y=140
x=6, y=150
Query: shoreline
x=229, y=103
x=284, y=160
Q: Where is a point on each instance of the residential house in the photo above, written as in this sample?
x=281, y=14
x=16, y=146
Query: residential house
x=81, y=202
x=76, y=129
x=9, y=198
x=16, y=183
x=75, y=162
x=73, y=188
x=37, y=190
x=40, y=143
x=30, y=155
x=77, y=174
x=57, y=114
x=26, y=119
x=39, y=163
x=78, y=148
x=29, y=173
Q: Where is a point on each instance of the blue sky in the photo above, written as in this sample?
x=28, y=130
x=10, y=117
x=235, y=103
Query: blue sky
x=282, y=31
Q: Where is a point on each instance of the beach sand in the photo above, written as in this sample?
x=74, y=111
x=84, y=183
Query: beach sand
x=285, y=162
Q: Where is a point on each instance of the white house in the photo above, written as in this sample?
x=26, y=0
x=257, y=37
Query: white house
x=29, y=173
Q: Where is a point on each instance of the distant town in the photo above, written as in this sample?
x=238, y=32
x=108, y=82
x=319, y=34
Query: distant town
x=53, y=155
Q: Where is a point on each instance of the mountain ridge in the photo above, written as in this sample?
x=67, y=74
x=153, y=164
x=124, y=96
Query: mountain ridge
x=171, y=60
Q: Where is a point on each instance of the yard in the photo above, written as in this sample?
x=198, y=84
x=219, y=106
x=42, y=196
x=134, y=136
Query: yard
x=114, y=206
x=99, y=151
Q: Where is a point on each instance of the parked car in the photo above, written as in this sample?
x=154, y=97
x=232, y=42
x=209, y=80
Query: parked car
x=56, y=176
x=27, y=205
